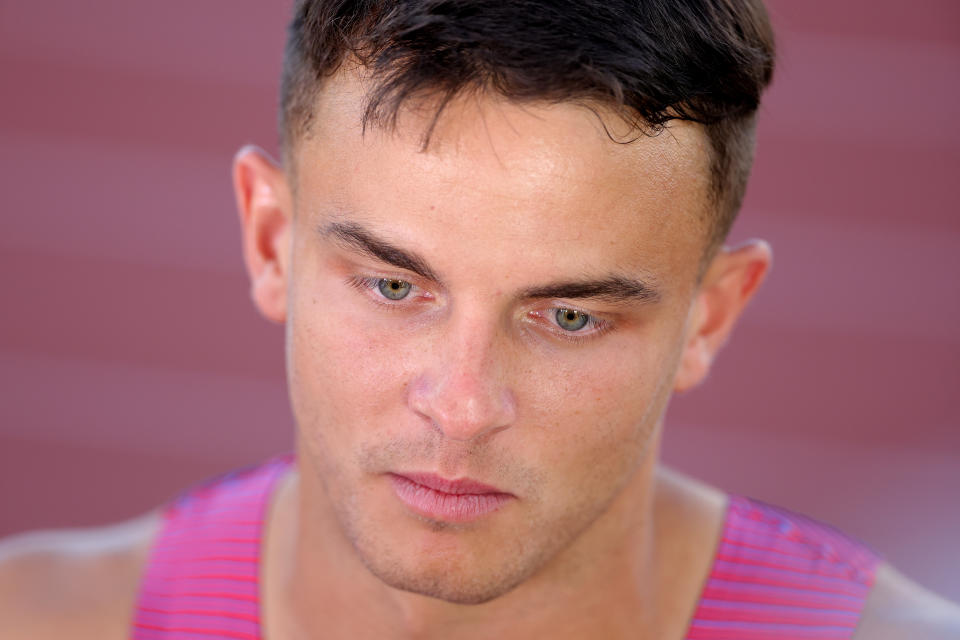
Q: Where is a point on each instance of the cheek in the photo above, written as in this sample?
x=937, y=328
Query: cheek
x=342, y=370
x=595, y=415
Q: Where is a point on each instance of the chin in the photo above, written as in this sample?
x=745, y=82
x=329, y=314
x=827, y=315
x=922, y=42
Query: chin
x=445, y=585
x=443, y=565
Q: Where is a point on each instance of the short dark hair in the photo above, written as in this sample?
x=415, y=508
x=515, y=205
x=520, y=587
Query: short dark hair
x=652, y=61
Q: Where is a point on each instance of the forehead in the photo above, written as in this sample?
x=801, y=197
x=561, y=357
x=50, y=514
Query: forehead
x=543, y=177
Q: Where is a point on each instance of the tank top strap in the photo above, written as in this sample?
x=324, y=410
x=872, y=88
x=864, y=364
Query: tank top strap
x=778, y=575
x=202, y=576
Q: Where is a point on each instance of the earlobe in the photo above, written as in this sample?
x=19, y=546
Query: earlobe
x=731, y=281
x=264, y=205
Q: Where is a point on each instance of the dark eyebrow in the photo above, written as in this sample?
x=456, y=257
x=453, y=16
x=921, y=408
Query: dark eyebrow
x=612, y=289
x=354, y=236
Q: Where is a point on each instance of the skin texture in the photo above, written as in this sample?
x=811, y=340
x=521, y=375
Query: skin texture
x=468, y=376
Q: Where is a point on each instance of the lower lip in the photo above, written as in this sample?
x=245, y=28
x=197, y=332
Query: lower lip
x=447, y=507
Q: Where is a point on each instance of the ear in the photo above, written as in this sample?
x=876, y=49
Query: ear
x=265, y=207
x=730, y=281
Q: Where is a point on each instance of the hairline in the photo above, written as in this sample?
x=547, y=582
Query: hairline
x=294, y=133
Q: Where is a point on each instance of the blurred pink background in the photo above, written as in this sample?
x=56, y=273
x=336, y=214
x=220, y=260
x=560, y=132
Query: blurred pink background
x=133, y=364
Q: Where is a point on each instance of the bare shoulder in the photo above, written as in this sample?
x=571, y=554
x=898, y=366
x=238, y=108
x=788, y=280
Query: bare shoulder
x=77, y=583
x=900, y=609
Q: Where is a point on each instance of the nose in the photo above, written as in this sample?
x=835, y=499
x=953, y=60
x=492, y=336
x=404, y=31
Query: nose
x=463, y=390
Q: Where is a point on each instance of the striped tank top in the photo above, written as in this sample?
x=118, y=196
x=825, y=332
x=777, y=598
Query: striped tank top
x=776, y=575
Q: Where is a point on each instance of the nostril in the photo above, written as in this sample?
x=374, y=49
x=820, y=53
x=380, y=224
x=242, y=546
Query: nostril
x=461, y=407
x=418, y=393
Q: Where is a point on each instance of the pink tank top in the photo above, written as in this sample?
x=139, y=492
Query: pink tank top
x=776, y=575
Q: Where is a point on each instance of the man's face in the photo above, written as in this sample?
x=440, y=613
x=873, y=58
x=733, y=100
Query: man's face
x=507, y=306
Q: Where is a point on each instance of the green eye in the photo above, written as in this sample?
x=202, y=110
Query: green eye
x=393, y=289
x=571, y=319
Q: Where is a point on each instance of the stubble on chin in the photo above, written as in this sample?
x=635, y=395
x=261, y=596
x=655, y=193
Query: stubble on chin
x=491, y=562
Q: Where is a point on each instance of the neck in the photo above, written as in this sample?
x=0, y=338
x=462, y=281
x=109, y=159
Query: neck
x=617, y=579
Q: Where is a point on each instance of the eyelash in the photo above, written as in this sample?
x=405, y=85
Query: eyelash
x=369, y=286
x=599, y=326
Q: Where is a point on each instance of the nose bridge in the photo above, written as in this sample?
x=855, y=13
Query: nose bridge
x=464, y=390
